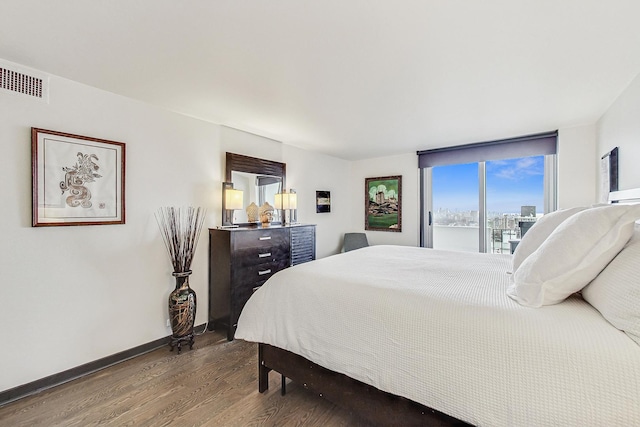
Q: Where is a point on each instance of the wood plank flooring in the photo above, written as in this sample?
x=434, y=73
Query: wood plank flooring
x=215, y=384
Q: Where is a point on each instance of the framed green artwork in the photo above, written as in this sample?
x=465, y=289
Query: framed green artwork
x=383, y=203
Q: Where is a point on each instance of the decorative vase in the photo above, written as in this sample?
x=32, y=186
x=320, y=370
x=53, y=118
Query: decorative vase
x=266, y=214
x=182, y=311
x=252, y=212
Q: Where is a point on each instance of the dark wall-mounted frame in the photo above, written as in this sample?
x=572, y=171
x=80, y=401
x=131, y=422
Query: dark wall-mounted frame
x=248, y=164
x=383, y=203
x=323, y=201
x=76, y=180
x=609, y=170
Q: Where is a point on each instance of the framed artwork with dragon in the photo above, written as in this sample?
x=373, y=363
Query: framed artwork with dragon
x=77, y=180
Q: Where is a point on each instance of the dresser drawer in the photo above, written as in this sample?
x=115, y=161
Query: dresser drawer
x=260, y=238
x=249, y=276
x=256, y=256
x=239, y=297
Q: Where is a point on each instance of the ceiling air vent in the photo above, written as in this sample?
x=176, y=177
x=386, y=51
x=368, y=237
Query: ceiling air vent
x=18, y=80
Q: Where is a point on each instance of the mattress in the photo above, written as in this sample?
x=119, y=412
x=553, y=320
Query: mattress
x=437, y=327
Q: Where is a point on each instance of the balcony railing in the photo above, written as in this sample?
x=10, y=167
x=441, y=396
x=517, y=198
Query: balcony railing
x=466, y=238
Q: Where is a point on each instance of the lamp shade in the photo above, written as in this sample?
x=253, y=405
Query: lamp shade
x=233, y=199
x=293, y=200
x=286, y=201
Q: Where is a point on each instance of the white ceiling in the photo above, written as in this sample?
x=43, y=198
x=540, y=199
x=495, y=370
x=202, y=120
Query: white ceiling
x=350, y=78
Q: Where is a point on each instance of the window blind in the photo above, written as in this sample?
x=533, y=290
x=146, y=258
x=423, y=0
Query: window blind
x=522, y=146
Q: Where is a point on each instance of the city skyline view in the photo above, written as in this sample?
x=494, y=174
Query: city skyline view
x=510, y=184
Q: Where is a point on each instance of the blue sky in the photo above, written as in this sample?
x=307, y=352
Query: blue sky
x=510, y=184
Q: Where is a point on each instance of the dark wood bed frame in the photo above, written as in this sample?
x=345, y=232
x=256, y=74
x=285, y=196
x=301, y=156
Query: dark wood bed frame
x=376, y=406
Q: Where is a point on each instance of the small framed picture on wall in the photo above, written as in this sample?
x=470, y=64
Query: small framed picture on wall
x=323, y=201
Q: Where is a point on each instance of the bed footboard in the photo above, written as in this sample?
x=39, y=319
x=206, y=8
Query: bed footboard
x=368, y=402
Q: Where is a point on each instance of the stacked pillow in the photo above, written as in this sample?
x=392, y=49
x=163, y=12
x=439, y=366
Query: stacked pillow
x=615, y=293
x=539, y=232
x=567, y=251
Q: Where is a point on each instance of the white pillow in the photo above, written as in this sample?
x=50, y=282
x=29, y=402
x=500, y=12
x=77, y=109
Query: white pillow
x=616, y=291
x=573, y=255
x=539, y=232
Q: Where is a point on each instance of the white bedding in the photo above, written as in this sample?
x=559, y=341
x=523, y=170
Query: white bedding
x=437, y=327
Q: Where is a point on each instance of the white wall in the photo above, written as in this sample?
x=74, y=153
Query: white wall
x=73, y=295
x=405, y=165
x=620, y=127
x=248, y=144
x=577, y=177
x=310, y=172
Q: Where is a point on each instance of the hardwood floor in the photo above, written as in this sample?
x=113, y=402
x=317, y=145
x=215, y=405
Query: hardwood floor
x=215, y=384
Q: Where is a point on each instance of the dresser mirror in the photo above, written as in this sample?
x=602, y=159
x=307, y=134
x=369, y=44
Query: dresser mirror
x=259, y=180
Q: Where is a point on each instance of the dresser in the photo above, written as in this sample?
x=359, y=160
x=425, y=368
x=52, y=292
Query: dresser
x=242, y=259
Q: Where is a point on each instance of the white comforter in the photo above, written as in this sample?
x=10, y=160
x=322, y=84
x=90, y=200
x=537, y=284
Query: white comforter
x=438, y=328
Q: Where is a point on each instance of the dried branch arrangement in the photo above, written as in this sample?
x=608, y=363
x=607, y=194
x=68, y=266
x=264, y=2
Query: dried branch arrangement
x=180, y=229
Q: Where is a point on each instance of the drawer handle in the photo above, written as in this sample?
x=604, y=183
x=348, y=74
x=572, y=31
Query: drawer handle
x=265, y=238
x=264, y=255
x=263, y=272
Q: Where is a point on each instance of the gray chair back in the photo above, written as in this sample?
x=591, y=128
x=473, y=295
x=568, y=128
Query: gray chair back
x=355, y=241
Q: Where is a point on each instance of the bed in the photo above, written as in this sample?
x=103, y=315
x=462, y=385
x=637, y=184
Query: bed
x=407, y=335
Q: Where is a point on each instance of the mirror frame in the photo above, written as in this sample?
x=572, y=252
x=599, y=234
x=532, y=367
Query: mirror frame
x=240, y=163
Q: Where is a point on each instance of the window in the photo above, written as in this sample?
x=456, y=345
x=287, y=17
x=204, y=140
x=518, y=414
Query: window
x=455, y=207
x=515, y=197
x=483, y=197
